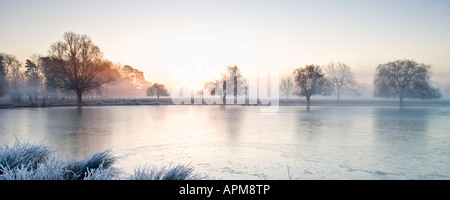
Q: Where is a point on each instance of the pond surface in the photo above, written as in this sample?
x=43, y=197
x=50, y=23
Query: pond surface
x=239, y=142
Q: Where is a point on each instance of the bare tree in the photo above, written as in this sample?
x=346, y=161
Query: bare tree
x=214, y=87
x=11, y=76
x=287, y=85
x=81, y=67
x=231, y=82
x=158, y=90
x=404, y=79
x=3, y=72
x=311, y=81
x=342, y=78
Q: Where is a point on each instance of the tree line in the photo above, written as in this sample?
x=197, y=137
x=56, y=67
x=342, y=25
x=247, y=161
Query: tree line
x=397, y=79
x=334, y=78
x=76, y=65
x=72, y=66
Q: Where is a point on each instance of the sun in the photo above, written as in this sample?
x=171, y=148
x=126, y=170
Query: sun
x=214, y=48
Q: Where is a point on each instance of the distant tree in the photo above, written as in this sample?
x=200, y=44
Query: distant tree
x=135, y=76
x=33, y=79
x=231, y=82
x=446, y=92
x=201, y=92
x=404, y=79
x=310, y=81
x=341, y=77
x=128, y=82
x=16, y=76
x=157, y=90
x=3, y=81
x=11, y=76
x=214, y=87
x=54, y=81
x=115, y=70
x=37, y=73
x=79, y=64
x=287, y=85
x=2, y=90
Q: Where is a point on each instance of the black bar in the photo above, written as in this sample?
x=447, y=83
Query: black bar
x=227, y=189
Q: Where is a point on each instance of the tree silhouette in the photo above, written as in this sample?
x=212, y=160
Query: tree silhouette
x=287, y=85
x=54, y=81
x=3, y=82
x=135, y=76
x=11, y=76
x=341, y=77
x=79, y=64
x=33, y=79
x=158, y=90
x=230, y=83
x=404, y=79
x=311, y=81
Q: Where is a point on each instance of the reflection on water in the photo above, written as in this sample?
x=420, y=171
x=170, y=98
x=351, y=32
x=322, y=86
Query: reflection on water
x=309, y=123
x=412, y=141
x=405, y=125
x=238, y=142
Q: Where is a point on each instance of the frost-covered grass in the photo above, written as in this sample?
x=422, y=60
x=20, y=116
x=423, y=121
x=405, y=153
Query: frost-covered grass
x=178, y=172
x=23, y=154
x=25, y=161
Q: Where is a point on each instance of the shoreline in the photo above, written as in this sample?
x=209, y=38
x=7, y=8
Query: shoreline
x=282, y=102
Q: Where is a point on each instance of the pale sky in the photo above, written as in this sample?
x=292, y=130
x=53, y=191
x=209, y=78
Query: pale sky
x=160, y=37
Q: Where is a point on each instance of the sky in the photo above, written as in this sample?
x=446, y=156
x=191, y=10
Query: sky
x=162, y=37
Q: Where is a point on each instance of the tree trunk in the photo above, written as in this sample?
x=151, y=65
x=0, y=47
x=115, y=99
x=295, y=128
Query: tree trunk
x=80, y=98
x=158, y=97
x=224, y=90
x=401, y=101
x=224, y=99
x=308, y=102
x=338, y=94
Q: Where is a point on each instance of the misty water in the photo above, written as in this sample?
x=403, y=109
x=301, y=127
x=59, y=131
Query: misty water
x=239, y=142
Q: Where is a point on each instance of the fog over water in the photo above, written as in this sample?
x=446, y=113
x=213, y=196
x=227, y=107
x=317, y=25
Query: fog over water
x=238, y=142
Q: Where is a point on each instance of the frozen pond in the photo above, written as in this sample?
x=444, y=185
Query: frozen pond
x=238, y=142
